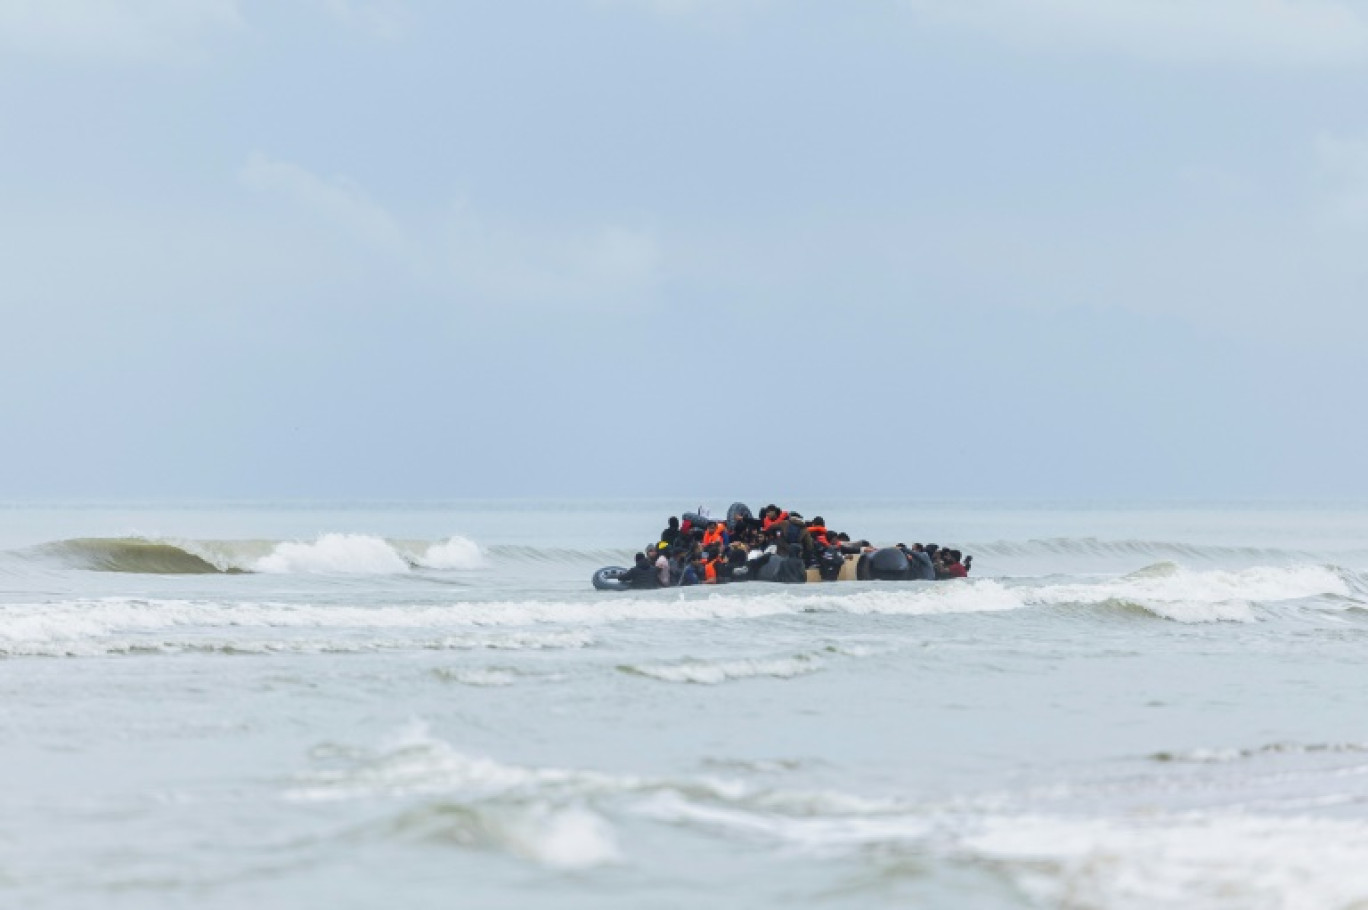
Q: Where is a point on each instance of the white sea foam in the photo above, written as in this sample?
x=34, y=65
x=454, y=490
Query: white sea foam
x=454, y=553
x=334, y=554
x=1187, y=861
x=485, y=677
x=126, y=625
x=1191, y=596
x=562, y=838
x=85, y=618
x=414, y=762
x=713, y=672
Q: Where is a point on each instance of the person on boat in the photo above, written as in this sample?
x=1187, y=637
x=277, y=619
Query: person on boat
x=851, y=547
x=736, y=569
x=642, y=575
x=922, y=568
x=952, y=567
x=682, y=568
x=716, y=570
x=818, y=529
x=772, y=515
x=830, y=561
x=791, y=531
x=662, y=566
x=671, y=533
x=716, y=535
x=783, y=566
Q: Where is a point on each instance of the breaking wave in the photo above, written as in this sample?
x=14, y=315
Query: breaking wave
x=329, y=554
x=713, y=672
x=1184, y=595
x=127, y=624
x=569, y=819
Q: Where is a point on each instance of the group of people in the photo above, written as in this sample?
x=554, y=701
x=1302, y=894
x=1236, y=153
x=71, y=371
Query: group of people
x=778, y=545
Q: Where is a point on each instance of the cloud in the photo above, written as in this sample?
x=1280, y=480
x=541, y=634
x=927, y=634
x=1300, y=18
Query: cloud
x=115, y=30
x=1279, y=32
x=337, y=201
x=1344, y=169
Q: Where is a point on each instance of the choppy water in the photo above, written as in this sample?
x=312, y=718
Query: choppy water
x=430, y=707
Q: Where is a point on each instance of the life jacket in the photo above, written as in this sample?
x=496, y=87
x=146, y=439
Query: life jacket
x=710, y=571
x=765, y=525
x=819, y=534
x=714, y=535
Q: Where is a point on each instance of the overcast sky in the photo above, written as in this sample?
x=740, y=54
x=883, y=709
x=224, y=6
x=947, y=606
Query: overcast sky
x=360, y=249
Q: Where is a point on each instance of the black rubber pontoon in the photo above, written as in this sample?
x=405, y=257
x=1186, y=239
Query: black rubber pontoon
x=611, y=578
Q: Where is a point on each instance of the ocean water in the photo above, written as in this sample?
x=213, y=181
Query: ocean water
x=220, y=706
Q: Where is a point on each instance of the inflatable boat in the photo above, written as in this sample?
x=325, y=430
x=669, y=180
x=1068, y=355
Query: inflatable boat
x=887, y=564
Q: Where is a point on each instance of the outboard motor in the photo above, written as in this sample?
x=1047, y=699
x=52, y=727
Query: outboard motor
x=889, y=564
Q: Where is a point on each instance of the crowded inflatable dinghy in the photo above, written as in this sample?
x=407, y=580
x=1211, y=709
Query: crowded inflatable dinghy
x=778, y=546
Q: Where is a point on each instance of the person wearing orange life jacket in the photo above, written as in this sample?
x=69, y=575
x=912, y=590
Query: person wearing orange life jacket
x=716, y=535
x=817, y=528
x=714, y=567
x=772, y=516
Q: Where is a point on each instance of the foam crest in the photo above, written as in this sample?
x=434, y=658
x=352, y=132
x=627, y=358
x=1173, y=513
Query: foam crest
x=714, y=672
x=559, y=837
x=483, y=677
x=1191, y=596
x=331, y=554
x=453, y=553
x=122, y=625
x=334, y=554
x=1231, y=861
x=414, y=762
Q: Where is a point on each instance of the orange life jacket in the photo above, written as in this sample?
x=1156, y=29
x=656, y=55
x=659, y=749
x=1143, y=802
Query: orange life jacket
x=710, y=572
x=765, y=526
x=713, y=535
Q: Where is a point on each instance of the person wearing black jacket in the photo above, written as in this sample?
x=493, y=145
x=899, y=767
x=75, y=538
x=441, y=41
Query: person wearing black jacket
x=671, y=533
x=643, y=575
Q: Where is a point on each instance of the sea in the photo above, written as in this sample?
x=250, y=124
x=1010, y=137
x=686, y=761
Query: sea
x=427, y=705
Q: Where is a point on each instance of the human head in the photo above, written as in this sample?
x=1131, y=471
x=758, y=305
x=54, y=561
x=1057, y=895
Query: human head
x=674, y=522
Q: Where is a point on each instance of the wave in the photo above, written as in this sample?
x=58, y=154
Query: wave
x=1184, y=595
x=120, y=624
x=1223, y=756
x=481, y=676
x=568, y=819
x=1186, y=860
x=329, y=554
x=1159, y=550
x=713, y=672
x=123, y=626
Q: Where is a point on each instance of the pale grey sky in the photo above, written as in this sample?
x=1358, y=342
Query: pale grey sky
x=917, y=248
